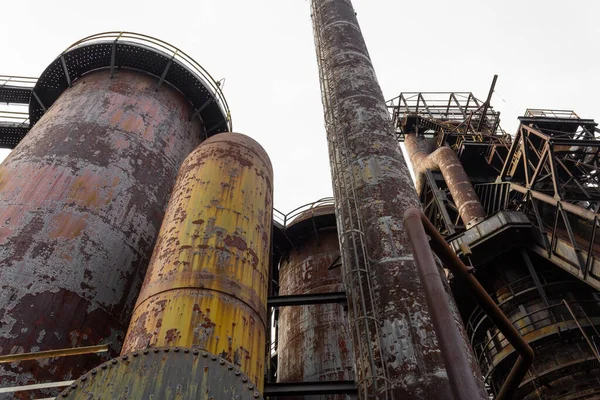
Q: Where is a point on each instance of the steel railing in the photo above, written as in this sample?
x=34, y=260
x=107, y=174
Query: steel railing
x=490, y=352
x=17, y=81
x=541, y=113
x=285, y=220
x=512, y=290
x=173, y=52
x=19, y=119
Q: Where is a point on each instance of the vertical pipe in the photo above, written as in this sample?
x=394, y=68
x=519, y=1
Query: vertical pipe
x=206, y=285
x=396, y=351
x=464, y=276
x=466, y=385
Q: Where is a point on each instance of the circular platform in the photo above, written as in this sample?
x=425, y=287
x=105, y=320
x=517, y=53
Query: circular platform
x=116, y=50
x=291, y=228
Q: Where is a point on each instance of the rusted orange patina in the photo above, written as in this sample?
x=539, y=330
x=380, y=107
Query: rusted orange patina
x=206, y=285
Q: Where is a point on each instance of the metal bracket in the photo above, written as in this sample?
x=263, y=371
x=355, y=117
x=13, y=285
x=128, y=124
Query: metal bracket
x=199, y=110
x=310, y=388
x=65, y=69
x=113, y=55
x=166, y=70
x=38, y=100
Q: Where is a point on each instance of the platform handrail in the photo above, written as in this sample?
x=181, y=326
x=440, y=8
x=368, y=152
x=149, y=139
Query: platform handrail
x=285, y=220
x=164, y=47
x=558, y=114
x=18, y=81
x=15, y=118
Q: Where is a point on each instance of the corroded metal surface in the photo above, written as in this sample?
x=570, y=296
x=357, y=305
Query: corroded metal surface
x=396, y=351
x=445, y=160
x=314, y=341
x=465, y=379
x=206, y=284
x=81, y=202
x=534, y=305
x=164, y=374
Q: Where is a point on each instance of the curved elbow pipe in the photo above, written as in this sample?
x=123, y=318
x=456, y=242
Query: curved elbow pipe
x=445, y=160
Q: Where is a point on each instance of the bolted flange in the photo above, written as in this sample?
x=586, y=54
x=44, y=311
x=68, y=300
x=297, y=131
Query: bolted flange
x=185, y=373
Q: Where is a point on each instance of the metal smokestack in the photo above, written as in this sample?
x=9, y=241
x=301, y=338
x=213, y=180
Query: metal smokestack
x=396, y=351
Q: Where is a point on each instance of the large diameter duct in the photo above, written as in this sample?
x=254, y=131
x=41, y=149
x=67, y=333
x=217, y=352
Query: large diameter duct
x=395, y=347
x=314, y=342
x=206, y=285
x=445, y=160
x=81, y=202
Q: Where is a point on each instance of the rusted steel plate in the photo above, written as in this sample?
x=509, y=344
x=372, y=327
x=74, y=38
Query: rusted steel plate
x=206, y=285
x=314, y=341
x=81, y=201
x=372, y=183
x=163, y=373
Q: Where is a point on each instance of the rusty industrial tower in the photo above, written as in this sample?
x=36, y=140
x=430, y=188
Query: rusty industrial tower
x=141, y=256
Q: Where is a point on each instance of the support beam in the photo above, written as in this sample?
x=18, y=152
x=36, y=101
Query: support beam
x=307, y=299
x=10, y=358
x=309, y=388
x=36, y=386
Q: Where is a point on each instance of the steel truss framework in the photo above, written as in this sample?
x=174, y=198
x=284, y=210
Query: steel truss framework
x=548, y=172
x=557, y=156
x=451, y=117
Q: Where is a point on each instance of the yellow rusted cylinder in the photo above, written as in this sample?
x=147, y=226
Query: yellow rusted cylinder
x=206, y=285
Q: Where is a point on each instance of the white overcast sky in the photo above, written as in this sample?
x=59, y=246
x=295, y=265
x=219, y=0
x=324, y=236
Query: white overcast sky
x=546, y=54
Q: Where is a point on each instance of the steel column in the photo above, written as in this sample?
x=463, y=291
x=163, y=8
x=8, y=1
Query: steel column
x=396, y=351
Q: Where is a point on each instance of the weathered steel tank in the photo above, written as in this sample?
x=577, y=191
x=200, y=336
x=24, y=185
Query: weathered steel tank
x=82, y=198
x=558, y=316
x=314, y=341
x=206, y=286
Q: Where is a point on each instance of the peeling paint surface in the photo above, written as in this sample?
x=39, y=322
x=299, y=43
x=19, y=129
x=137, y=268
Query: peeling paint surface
x=445, y=160
x=81, y=202
x=314, y=341
x=206, y=286
x=396, y=350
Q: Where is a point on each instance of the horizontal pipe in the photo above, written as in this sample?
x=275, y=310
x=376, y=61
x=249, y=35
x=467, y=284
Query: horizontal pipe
x=463, y=381
x=451, y=261
x=309, y=388
x=307, y=299
x=9, y=358
x=572, y=208
x=35, y=386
